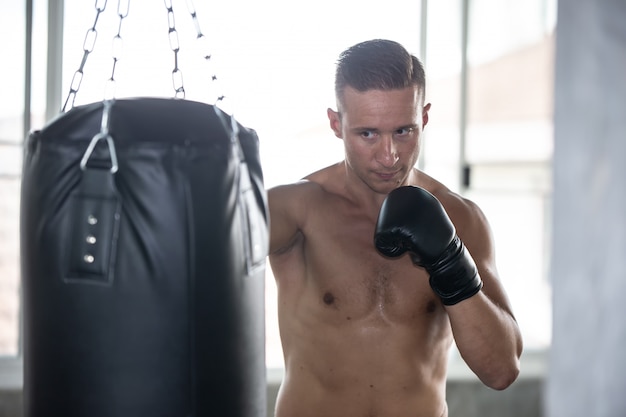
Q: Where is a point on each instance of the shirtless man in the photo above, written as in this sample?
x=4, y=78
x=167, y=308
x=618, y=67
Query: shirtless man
x=366, y=331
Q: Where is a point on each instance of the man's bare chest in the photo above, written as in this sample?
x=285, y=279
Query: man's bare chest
x=345, y=271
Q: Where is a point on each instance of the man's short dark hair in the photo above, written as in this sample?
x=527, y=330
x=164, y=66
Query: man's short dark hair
x=378, y=64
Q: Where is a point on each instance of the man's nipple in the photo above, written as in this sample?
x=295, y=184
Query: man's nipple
x=328, y=298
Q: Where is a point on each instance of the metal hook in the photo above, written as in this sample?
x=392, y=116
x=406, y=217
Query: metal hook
x=92, y=146
x=103, y=134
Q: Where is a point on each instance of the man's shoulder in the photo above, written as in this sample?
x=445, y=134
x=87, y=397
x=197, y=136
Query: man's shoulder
x=294, y=207
x=298, y=199
x=303, y=188
x=459, y=208
x=314, y=185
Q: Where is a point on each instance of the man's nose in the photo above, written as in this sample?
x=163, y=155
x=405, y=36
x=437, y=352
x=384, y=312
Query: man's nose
x=387, y=153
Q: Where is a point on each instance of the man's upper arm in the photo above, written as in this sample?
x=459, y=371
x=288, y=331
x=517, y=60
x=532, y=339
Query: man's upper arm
x=474, y=230
x=286, y=213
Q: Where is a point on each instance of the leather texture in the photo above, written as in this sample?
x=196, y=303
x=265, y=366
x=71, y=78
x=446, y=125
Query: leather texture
x=144, y=289
x=412, y=220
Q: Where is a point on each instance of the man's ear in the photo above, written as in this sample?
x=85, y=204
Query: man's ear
x=425, y=115
x=335, y=122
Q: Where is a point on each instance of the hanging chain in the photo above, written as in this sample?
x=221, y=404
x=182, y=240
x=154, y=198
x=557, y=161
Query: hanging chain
x=122, y=12
x=202, y=40
x=88, y=44
x=177, y=75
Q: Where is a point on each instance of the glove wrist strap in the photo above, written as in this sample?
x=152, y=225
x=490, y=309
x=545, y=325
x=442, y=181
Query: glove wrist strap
x=454, y=276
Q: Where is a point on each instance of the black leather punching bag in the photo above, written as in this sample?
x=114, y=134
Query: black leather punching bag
x=143, y=286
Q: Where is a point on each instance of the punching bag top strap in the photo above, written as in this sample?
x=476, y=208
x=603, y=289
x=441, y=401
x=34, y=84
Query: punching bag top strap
x=102, y=135
x=234, y=137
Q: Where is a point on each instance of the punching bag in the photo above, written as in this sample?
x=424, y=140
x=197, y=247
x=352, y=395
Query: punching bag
x=143, y=260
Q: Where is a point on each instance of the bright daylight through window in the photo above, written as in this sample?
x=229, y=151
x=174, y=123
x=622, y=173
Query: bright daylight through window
x=278, y=77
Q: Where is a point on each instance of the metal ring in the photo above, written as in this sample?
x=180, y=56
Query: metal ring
x=92, y=146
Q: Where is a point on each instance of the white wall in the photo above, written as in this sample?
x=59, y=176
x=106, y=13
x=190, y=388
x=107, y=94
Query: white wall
x=587, y=374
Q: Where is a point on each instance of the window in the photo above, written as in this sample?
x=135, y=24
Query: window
x=502, y=94
x=11, y=136
x=509, y=146
x=491, y=112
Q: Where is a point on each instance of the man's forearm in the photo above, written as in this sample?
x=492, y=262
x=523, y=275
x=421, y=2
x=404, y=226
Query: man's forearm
x=488, y=339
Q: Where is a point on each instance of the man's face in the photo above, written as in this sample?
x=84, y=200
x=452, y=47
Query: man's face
x=381, y=131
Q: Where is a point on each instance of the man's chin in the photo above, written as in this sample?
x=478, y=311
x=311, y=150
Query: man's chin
x=385, y=187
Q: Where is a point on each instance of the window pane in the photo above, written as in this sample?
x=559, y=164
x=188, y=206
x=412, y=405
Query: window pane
x=509, y=146
x=516, y=201
x=12, y=29
x=9, y=263
x=440, y=149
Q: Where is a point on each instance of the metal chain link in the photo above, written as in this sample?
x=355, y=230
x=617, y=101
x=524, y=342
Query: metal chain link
x=122, y=12
x=177, y=74
x=88, y=45
x=202, y=41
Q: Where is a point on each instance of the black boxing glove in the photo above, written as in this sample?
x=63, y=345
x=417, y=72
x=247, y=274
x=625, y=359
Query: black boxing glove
x=412, y=220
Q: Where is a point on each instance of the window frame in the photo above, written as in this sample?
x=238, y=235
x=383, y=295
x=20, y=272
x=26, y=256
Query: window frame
x=11, y=367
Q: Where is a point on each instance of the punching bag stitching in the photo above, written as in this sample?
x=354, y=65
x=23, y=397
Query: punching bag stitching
x=191, y=307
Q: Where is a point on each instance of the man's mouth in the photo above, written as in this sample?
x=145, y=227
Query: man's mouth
x=386, y=176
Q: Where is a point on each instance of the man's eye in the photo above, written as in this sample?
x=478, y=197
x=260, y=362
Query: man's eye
x=404, y=131
x=368, y=134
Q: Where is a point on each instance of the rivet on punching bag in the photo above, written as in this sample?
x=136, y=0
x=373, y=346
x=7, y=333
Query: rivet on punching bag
x=143, y=263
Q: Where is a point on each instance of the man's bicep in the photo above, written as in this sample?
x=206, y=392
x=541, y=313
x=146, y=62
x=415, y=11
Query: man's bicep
x=481, y=244
x=284, y=215
x=474, y=230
